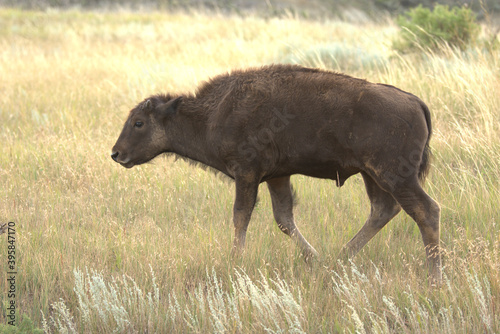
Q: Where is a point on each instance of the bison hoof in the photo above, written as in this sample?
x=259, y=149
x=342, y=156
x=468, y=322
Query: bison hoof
x=310, y=255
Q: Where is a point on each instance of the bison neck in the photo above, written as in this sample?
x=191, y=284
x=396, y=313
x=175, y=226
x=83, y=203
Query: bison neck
x=189, y=141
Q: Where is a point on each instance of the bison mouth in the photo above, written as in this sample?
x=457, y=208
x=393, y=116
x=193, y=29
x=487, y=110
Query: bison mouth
x=131, y=163
x=128, y=164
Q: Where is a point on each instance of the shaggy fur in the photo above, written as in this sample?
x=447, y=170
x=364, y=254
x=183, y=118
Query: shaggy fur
x=266, y=124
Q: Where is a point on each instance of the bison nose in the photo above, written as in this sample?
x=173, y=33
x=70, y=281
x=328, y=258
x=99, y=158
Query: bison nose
x=114, y=155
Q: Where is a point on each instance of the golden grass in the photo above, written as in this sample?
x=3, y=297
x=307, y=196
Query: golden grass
x=87, y=227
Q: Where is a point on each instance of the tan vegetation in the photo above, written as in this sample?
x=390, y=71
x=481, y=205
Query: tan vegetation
x=102, y=248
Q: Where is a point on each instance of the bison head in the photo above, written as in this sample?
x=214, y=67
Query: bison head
x=144, y=135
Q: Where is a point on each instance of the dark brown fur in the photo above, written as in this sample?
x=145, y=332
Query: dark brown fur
x=269, y=123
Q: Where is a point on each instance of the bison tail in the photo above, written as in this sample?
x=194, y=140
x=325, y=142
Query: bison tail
x=427, y=154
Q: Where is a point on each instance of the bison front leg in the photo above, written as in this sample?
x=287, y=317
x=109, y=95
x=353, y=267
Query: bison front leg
x=246, y=194
x=282, y=199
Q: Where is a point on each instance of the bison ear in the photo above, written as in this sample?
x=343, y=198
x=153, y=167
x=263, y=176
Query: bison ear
x=147, y=104
x=170, y=107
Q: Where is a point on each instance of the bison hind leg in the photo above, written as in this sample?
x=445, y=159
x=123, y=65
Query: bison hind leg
x=425, y=212
x=383, y=208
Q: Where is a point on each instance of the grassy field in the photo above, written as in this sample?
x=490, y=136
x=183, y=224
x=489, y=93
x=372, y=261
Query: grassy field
x=103, y=249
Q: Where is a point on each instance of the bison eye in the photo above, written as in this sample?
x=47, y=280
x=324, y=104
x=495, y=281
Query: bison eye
x=138, y=124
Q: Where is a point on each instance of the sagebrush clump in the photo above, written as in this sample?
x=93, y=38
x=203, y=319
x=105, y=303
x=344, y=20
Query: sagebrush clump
x=422, y=28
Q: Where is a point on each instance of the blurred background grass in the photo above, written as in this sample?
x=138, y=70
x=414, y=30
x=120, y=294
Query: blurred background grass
x=68, y=79
x=349, y=9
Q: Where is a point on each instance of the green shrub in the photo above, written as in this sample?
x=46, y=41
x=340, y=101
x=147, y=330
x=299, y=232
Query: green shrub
x=423, y=28
x=25, y=327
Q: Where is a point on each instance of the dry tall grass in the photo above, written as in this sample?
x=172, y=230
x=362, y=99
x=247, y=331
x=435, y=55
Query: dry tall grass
x=103, y=249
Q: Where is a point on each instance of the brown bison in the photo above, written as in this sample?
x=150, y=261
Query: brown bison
x=268, y=123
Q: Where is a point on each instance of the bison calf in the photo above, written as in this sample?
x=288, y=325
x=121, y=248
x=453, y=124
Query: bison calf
x=268, y=123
